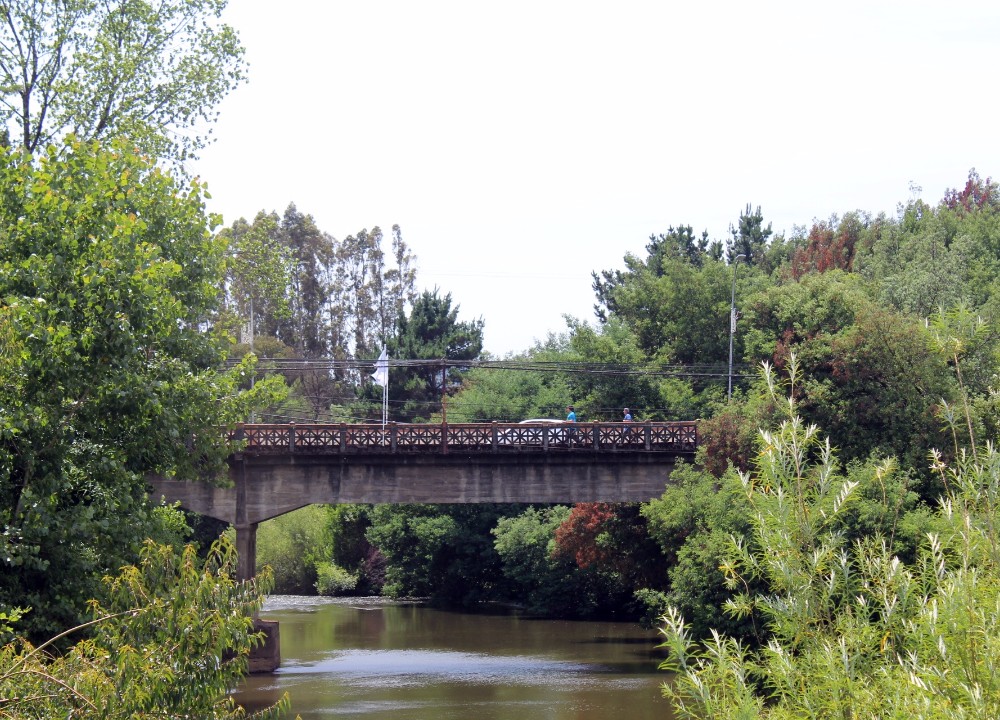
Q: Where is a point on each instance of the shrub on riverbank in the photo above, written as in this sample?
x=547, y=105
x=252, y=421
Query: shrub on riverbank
x=171, y=642
x=854, y=630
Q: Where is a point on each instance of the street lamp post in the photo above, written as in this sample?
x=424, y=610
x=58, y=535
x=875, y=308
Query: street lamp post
x=732, y=325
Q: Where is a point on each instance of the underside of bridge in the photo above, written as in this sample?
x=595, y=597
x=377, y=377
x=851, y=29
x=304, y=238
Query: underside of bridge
x=263, y=487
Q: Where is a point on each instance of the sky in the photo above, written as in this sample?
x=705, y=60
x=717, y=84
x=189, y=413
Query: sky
x=522, y=145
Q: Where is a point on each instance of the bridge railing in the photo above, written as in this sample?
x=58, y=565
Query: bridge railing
x=332, y=438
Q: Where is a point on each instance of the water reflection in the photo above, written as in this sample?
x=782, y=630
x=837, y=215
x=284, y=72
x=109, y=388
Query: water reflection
x=372, y=658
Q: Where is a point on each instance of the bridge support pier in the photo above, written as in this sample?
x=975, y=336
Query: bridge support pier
x=265, y=658
x=246, y=550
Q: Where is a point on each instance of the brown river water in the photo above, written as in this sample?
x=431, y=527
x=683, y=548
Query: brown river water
x=370, y=658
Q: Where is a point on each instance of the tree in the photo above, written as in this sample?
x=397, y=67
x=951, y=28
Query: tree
x=830, y=245
x=311, y=254
x=444, y=552
x=977, y=194
x=678, y=312
x=870, y=376
x=749, y=237
x=431, y=332
x=612, y=539
x=546, y=582
x=258, y=274
x=366, y=294
x=692, y=522
x=149, y=72
x=509, y=395
x=108, y=284
x=675, y=244
x=293, y=546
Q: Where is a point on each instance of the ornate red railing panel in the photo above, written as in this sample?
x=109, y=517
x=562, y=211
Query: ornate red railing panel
x=672, y=437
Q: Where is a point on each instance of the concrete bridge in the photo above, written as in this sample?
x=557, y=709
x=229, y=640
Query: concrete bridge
x=280, y=468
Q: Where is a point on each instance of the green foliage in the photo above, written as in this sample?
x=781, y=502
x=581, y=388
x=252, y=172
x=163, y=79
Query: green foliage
x=692, y=522
x=935, y=257
x=314, y=298
x=872, y=379
x=442, y=552
x=545, y=583
x=351, y=550
x=171, y=642
x=108, y=280
x=613, y=344
x=855, y=631
x=547, y=579
x=513, y=395
x=729, y=437
x=294, y=546
x=677, y=311
x=749, y=237
x=149, y=72
x=331, y=579
x=257, y=274
x=431, y=331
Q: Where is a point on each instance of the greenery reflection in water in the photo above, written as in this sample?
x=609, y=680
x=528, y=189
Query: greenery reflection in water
x=372, y=658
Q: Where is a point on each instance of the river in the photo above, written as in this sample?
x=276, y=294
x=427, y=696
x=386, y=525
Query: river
x=369, y=658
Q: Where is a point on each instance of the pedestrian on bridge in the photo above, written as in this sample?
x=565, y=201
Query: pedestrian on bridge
x=570, y=432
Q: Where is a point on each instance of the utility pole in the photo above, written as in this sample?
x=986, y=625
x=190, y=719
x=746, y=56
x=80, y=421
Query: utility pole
x=253, y=377
x=732, y=325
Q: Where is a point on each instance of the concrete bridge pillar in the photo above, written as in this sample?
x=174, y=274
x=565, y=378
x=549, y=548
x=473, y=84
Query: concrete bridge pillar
x=246, y=549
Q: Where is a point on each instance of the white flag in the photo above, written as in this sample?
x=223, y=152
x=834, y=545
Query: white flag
x=381, y=374
x=732, y=320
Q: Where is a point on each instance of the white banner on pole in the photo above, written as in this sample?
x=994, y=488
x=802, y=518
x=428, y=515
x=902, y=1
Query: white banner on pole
x=381, y=377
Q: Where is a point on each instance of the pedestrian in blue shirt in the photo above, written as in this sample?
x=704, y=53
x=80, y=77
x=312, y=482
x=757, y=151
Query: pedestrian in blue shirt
x=570, y=432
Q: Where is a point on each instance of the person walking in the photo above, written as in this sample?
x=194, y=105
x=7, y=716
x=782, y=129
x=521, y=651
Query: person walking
x=626, y=431
x=570, y=431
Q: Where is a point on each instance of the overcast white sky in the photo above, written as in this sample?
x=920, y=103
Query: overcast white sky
x=521, y=145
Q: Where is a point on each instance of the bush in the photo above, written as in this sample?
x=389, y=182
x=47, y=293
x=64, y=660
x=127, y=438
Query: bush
x=293, y=545
x=854, y=631
x=334, y=580
x=171, y=642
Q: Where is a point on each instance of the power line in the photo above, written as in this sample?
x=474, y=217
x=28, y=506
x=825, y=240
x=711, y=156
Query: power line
x=561, y=366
